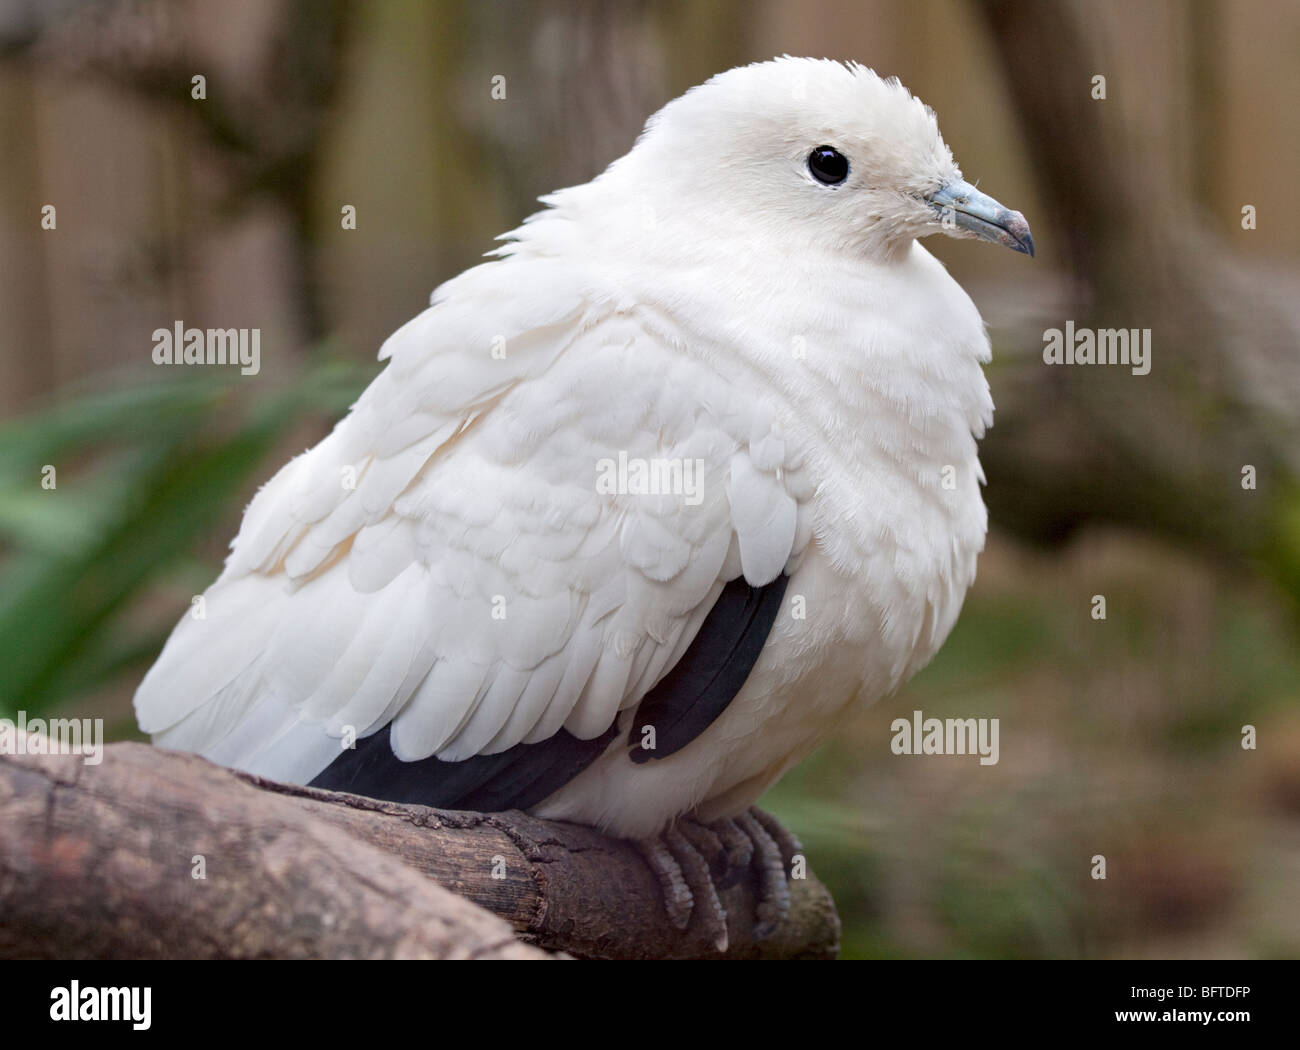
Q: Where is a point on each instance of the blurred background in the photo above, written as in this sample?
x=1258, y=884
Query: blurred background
x=1119, y=737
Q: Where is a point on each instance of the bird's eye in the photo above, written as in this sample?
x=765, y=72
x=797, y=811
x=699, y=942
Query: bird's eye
x=828, y=165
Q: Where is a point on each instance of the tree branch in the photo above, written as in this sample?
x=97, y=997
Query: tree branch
x=100, y=861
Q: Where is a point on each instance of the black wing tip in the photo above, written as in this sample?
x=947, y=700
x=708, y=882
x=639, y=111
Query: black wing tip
x=517, y=778
x=714, y=668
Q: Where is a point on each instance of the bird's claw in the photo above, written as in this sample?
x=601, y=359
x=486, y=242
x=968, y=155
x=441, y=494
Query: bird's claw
x=692, y=860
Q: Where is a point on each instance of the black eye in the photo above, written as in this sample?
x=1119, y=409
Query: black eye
x=828, y=165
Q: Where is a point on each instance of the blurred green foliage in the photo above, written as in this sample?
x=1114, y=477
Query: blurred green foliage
x=141, y=473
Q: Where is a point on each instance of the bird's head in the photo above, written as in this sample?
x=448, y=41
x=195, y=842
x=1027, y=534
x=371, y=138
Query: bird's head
x=813, y=151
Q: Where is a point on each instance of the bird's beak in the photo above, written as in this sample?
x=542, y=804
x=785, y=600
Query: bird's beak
x=962, y=207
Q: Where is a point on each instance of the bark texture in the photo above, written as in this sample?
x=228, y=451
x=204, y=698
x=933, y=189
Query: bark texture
x=100, y=861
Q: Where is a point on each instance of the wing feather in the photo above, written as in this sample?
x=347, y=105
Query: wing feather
x=444, y=577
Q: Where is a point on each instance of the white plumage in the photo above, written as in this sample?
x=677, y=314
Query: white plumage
x=706, y=298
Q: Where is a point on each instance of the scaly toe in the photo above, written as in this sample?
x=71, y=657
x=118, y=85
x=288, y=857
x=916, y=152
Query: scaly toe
x=773, y=891
x=785, y=839
x=677, y=896
x=739, y=850
x=708, y=910
x=707, y=844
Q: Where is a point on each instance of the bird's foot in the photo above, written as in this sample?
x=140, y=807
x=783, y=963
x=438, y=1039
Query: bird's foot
x=693, y=860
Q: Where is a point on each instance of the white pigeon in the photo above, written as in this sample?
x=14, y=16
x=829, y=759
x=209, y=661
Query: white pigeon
x=640, y=510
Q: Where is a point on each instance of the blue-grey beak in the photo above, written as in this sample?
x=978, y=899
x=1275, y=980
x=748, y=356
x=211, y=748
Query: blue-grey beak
x=962, y=207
